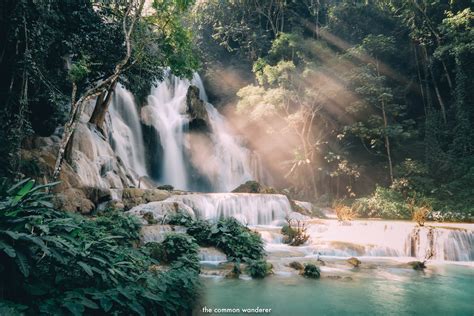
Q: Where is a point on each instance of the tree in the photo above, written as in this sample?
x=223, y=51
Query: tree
x=376, y=99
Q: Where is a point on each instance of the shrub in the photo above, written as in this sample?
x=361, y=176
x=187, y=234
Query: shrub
x=343, y=212
x=294, y=236
x=420, y=214
x=124, y=226
x=384, y=203
x=60, y=263
x=201, y=231
x=181, y=219
x=258, y=269
x=173, y=247
x=237, y=241
x=311, y=271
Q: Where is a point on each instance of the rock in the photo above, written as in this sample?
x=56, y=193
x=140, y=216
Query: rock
x=254, y=187
x=354, y=262
x=132, y=197
x=417, y=265
x=158, y=211
x=114, y=205
x=97, y=195
x=196, y=109
x=157, y=233
x=296, y=265
x=73, y=200
x=165, y=187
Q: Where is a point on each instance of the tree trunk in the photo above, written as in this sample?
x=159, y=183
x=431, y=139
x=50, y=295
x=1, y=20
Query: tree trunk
x=102, y=106
x=387, y=140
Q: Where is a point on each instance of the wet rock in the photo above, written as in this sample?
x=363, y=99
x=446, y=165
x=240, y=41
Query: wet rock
x=115, y=205
x=354, y=262
x=73, y=200
x=196, y=109
x=254, y=187
x=159, y=211
x=132, y=197
x=296, y=265
x=97, y=195
x=417, y=265
x=165, y=187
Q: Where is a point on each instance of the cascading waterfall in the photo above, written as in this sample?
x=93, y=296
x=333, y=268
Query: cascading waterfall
x=166, y=111
x=251, y=209
x=125, y=131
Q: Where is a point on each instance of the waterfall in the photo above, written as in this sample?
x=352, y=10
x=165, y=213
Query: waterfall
x=168, y=109
x=250, y=209
x=225, y=165
x=440, y=244
x=380, y=239
x=125, y=131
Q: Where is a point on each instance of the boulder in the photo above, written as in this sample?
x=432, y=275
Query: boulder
x=354, y=262
x=296, y=265
x=254, y=187
x=132, y=197
x=196, y=109
x=157, y=212
x=417, y=265
x=97, y=195
x=73, y=200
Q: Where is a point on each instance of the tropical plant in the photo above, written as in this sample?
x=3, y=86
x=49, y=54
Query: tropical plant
x=62, y=263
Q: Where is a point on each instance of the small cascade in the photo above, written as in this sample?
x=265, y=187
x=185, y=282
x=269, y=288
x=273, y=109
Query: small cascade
x=126, y=134
x=379, y=239
x=157, y=233
x=211, y=254
x=250, y=209
x=440, y=244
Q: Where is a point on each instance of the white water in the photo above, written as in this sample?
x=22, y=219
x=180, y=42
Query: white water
x=168, y=109
x=250, y=209
x=125, y=131
x=226, y=165
x=367, y=238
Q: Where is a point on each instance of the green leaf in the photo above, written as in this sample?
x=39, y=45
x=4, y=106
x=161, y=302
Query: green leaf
x=24, y=191
x=86, y=268
x=22, y=263
x=106, y=304
x=7, y=249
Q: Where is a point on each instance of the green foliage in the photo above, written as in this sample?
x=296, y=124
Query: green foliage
x=174, y=247
x=181, y=219
x=61, y=263
x=294, y=236
x=237, y=241
x=258, y=269
x=384, y=203
x=311, y=271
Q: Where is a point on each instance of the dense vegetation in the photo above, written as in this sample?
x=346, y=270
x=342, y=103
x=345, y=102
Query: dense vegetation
x=238, y=242
x=369, y=96
x=58, y=263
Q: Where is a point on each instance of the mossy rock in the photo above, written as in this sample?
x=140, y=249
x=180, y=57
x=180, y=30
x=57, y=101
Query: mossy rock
x=354, y=262
x=311, y=271
x=417, y=265
x=296, y=265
